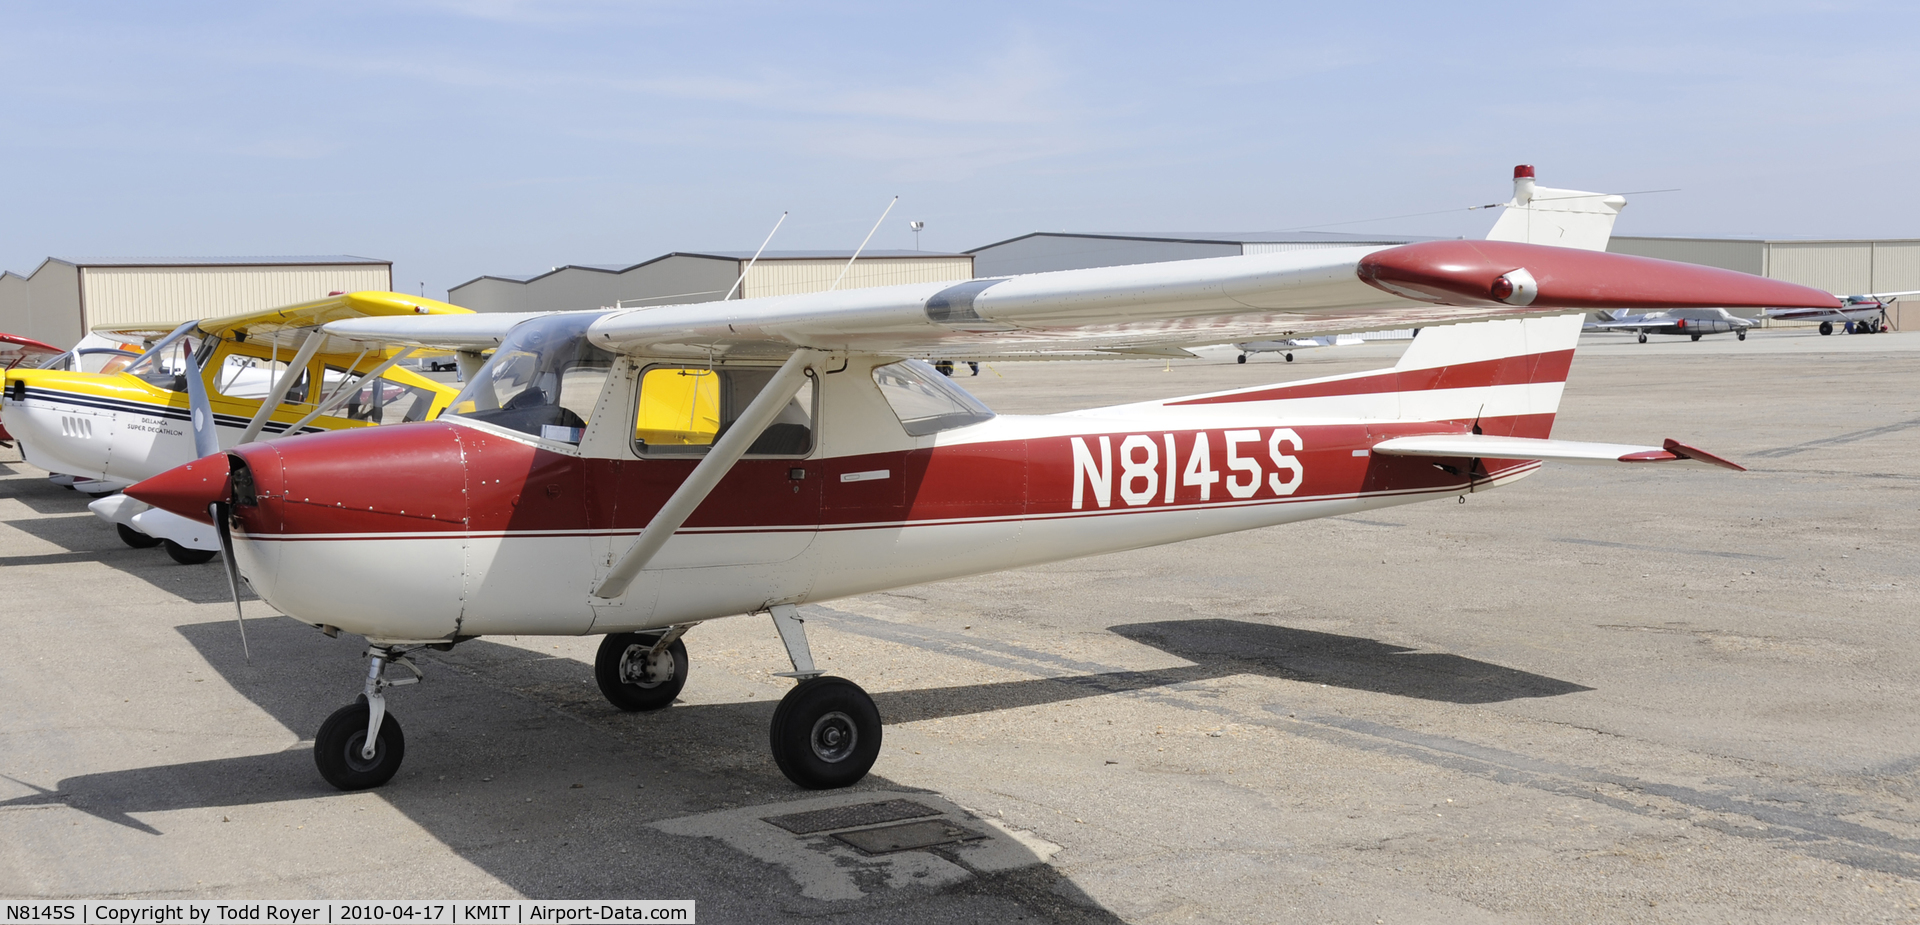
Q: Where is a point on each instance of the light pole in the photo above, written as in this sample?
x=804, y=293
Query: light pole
x=916, y=226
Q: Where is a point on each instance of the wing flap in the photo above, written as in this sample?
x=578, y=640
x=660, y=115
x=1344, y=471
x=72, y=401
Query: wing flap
x=1569, y=451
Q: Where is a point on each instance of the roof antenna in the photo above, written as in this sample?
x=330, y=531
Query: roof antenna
x=750, y=263
x=863, y=245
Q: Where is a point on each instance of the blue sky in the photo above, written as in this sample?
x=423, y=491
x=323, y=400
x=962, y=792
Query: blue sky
x=495, y=136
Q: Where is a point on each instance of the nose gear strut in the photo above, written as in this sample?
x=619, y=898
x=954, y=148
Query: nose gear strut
x=360, y=745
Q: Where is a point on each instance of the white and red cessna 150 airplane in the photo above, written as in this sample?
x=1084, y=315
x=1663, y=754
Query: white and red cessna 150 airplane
x=634, y=472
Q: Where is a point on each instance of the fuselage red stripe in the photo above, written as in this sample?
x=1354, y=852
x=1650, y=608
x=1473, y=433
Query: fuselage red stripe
x=1502, y=475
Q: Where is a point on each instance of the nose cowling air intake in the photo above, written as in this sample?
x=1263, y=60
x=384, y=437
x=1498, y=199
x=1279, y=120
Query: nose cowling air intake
x=1538, y=276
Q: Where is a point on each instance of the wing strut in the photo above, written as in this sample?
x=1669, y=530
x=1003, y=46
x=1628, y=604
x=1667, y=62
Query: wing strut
x=308, y=347
x=719, y=460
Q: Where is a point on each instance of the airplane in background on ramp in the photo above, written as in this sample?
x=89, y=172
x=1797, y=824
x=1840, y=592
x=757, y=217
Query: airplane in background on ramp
x=264, y=373
x=1858, y=314
x=1687, y=322
x=16, y=350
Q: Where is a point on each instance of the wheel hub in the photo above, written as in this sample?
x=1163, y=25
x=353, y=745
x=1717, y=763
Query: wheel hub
x=643, y=667
x=356, y=758
x=834, y=737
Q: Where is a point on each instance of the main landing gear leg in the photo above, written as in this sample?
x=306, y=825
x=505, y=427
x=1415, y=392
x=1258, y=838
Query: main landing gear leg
x=360, y=746
x=826, y=731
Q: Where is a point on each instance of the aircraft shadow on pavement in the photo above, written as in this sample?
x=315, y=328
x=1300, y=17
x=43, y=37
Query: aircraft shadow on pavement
x=30, y=487
x=1227, y=647
x=497, y=739
x=86, y=539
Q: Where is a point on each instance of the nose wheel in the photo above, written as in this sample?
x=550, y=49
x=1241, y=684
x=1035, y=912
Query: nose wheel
x=339, y=749
x=360, y=746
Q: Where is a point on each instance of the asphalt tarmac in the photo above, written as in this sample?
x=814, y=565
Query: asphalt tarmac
x=1632, y=694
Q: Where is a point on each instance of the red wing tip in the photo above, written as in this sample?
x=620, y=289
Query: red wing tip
x=1680, y=449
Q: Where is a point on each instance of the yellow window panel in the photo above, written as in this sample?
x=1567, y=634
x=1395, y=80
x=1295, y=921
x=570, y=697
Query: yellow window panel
x=678, y=407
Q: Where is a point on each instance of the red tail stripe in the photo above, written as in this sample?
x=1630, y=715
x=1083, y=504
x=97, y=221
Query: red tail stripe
x=1518, y=370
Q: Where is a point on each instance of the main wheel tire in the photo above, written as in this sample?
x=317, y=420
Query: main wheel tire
x=1696, y=337
x=1289, y=357
x=1742, y=333
x=1643, y=337
x=135, y=538
x=336, y=749
x=1241, y=359
x=825, y=733
x=1826, y=327
x=185, y=556
x=615, y=664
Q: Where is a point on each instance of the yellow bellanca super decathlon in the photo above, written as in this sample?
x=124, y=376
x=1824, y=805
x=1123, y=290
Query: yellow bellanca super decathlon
x=263, y=374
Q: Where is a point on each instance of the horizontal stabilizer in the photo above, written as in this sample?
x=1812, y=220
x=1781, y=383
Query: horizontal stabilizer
x=1485, y=446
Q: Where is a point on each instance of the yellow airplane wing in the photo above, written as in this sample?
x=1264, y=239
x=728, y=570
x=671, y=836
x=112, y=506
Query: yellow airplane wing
x=284, y=327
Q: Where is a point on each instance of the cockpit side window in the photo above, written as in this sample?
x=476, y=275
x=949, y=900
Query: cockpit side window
x=683, y=410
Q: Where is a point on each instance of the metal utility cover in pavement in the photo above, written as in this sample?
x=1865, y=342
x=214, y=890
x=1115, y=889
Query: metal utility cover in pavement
x=847, y=817
x=908, y=836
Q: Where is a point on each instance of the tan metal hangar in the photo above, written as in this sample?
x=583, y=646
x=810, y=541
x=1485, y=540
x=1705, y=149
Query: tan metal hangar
x=64, y=298
x=1843, y=266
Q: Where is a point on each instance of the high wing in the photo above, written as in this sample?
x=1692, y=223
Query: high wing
x=24, y=351
x=1153, y=307
x=286, y=327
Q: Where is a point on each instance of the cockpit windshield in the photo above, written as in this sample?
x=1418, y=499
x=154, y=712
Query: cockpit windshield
x=543, y=381
x=164, y=365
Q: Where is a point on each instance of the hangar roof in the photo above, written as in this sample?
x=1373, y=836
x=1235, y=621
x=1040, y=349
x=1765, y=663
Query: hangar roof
x=713, y=255
x=305, y=260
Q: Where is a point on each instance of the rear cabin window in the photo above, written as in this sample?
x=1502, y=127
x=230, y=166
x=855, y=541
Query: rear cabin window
x=249, y=377
x=683, y=410
x=378, y=401
x=925, y=401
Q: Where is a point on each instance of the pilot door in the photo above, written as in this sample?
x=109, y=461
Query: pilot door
x=763, y=513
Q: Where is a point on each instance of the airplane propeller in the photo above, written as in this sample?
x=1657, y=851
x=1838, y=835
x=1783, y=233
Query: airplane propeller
x=206, y=442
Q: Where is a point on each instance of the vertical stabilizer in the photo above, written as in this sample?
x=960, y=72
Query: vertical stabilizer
x=1557, y=217
x=1507, y=374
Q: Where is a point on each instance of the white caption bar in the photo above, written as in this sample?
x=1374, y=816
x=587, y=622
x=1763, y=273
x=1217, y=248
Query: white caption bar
x=383, y=912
